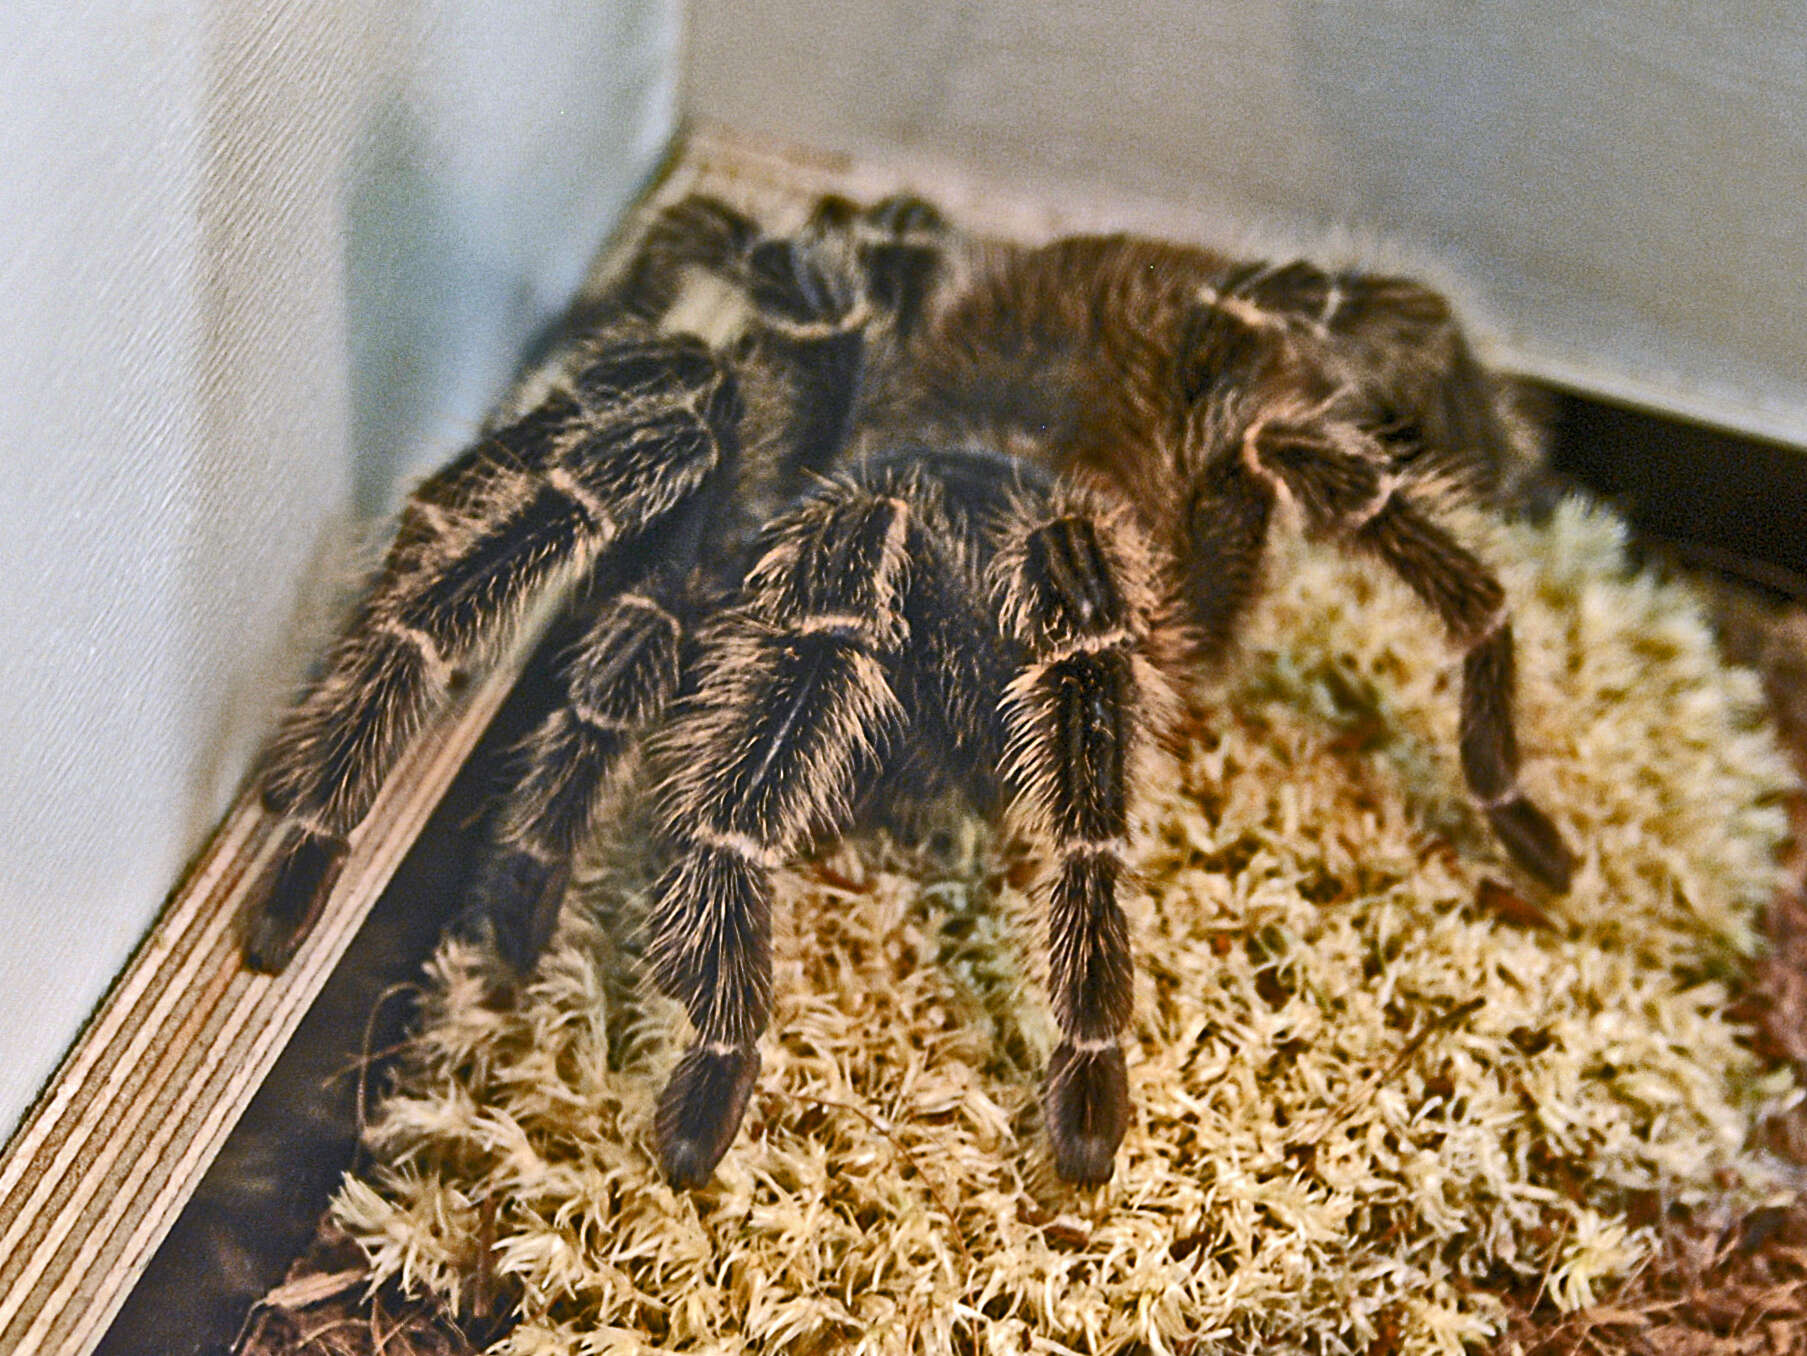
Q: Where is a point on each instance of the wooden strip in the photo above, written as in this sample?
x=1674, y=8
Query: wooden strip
x=98, y=1172
x=86, y=1072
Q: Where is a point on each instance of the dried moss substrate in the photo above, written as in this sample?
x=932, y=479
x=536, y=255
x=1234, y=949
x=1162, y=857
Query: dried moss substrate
x=1378, y=1082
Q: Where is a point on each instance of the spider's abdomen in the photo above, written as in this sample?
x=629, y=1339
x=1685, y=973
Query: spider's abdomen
x=1065, y=356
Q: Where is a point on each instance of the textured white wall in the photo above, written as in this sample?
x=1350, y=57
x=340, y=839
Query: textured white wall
x=1624, y=181
x=256, y=262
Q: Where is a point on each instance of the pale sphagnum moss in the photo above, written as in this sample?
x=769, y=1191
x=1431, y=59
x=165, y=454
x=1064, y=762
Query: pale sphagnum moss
x=1364, y=1098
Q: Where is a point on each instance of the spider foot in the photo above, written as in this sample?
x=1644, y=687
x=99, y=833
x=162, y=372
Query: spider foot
x=520, y=894
x=1086, y=1102
x=701, y=1109
x=292, y=890
x=1532, y=841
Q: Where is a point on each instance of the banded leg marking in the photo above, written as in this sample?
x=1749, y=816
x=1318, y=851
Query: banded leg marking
x=793, y=701
x=1074, y=714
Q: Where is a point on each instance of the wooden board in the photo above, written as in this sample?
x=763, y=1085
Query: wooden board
x=98, y=1172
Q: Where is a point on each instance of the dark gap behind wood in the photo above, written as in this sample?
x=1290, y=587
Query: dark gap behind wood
x=1716, y=500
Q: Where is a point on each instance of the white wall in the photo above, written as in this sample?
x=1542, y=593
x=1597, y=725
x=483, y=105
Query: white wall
x=256, y=261
x=1623, y=181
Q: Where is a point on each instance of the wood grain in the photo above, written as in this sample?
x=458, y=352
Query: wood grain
x=98, y=1172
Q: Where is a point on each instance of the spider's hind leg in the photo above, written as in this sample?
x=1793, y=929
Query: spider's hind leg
x=1428, y=398
x=1345, y=487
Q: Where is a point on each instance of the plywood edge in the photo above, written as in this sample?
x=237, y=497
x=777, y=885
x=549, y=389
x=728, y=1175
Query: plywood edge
x=98, y=1171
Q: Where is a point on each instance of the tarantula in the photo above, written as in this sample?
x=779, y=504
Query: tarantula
x=912, y=513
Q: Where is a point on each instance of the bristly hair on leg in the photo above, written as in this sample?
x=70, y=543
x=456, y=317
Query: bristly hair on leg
x=1076, y=591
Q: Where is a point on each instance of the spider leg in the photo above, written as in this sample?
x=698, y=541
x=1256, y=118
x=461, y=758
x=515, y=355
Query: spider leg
x=803, y=306
x=1428, y=397
x=1076, y=599
x=810, y=306
x=888, y=253
x=644, y=423
x=1225, y=536
x=898, y=243
x=1343, y=485
x=792, y=700
x=697, y=233
x=618, y=680
x=812, y=322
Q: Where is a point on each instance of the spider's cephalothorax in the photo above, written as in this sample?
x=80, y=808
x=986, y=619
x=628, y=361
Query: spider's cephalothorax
x=880, y=505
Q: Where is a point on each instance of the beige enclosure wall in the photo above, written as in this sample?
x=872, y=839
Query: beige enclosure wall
x=1622, y=182
x=256, y=261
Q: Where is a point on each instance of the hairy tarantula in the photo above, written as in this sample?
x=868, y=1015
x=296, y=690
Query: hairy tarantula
x=913, y=512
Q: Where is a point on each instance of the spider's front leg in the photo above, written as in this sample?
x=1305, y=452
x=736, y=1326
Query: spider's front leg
x=814, y=302
x=643, y=424
x=793, y=701
x=1077, y=598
